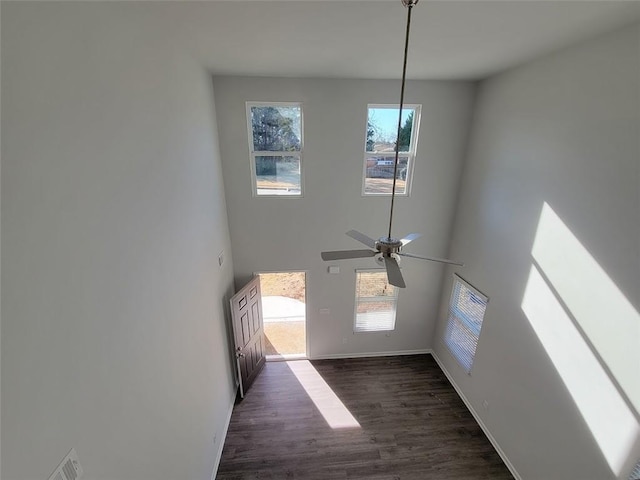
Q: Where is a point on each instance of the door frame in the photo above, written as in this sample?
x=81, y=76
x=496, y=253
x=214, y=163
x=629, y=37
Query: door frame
x=294, y=356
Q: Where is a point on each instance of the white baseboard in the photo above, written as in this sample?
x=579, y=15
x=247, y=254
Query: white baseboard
x=484, y=428
x=332, y=356
x=218, y=457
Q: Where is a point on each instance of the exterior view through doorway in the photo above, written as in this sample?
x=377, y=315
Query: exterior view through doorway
x=284, y=313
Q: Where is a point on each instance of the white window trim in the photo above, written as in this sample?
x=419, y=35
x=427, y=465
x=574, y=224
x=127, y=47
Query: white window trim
x=253, y=154
x=394, y=298
x=458, y=279
x=411, y=154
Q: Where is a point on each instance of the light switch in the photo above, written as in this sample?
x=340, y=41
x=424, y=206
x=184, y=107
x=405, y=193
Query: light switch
x=334, y=269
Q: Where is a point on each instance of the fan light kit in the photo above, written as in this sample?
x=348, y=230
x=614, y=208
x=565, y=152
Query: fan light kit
x=387, y=249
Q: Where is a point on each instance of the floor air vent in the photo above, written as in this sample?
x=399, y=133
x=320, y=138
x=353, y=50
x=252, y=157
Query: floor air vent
x=635, y=475
x=69, y=468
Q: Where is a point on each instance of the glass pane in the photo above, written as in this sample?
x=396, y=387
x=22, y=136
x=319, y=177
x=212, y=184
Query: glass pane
x=382, y=129
x=466, y=313
x=374, y=284
x=276, y=128
x=375, y=320
x=468, y=306
x=379, y=174
x=461, y=342
x=378, y=307
x=277, y=175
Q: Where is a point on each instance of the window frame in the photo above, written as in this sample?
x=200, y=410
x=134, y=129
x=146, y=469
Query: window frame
x=259, y=153
x=411, y=154
x=358, y=299
x=455, y=315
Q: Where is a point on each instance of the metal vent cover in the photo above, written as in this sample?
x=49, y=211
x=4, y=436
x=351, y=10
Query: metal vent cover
x=635, y=475
x=69, y=468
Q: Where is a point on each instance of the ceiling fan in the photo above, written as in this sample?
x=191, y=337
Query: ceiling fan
x=388, y=249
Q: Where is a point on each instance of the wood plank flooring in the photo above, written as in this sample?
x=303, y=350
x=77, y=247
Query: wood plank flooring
x=412, y=425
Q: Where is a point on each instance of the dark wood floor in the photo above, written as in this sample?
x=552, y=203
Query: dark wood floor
x=413, y=425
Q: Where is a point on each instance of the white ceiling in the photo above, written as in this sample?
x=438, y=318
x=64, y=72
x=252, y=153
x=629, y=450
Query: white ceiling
x=364, y=39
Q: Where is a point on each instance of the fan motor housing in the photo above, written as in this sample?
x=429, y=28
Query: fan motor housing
x=387, y=245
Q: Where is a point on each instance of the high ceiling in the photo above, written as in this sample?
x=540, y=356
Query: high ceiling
x=363, y=39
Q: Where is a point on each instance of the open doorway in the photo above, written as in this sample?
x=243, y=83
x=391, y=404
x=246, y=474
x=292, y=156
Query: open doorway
x=284, y=313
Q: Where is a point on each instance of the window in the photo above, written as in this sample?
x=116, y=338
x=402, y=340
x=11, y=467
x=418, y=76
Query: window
x=380, y=145
x=466, y=312
x=375, y=302
x=275, y=143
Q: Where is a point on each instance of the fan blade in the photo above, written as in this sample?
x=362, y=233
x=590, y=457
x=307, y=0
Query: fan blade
x=346, y=254
x=393, y=272
x=362, y=238
x=409, y=238
x=432, y=259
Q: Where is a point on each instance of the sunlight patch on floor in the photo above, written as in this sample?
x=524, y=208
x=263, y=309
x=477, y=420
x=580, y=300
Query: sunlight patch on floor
x=326, y=401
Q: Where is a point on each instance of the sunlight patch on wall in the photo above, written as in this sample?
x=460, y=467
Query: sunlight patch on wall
x=604, y=314
x=326, y=401
x=607, y=415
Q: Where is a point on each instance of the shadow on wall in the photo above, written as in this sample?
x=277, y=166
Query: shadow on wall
x=587, y=325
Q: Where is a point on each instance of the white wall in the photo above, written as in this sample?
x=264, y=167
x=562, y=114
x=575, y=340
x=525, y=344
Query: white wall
x=113, y=214
x=551, y=191
x=0, y=255
x=271, y=234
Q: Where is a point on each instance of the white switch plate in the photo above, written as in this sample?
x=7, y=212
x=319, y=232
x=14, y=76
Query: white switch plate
x=334, y=269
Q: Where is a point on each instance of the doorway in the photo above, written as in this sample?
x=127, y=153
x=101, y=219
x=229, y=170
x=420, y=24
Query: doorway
x=284, y=313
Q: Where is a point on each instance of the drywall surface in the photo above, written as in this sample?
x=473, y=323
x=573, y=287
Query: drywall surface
x=0, y=255
x=275, y=234
x=548, y=226
x=114, y=338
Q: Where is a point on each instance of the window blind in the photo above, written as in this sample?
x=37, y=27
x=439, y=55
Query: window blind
x=466, y=313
